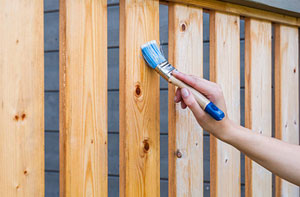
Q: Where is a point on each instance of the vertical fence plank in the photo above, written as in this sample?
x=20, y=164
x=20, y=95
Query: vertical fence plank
x=83, y=98
x=258, y=98
x=286, y=95
x=22, y=98
x=185, y=135
x=225, y=70
x=139, y=101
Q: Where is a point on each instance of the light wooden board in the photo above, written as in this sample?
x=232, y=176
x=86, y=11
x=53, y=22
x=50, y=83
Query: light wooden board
x=287, y=7
x=139, y=101
x=185, y=134
x=258, y=103
x=286, y=95
x=241, y=10
x=83, y=98
x=21, y=98
x=225, y=70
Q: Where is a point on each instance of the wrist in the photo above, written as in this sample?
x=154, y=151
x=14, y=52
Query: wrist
x=226, y=130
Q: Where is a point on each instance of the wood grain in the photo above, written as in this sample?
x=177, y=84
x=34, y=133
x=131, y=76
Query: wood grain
x=83, y=98
x=225, y=70
x=288, y=7
x=258, y=98
x=21, y=98
x=139, y=101
x=231, y=8
x=286, y=95
x=185, y=134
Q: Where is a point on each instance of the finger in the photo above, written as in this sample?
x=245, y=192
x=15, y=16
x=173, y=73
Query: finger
x=190, y=101
x=202, y=85
x=183, y=105
x=177, y=97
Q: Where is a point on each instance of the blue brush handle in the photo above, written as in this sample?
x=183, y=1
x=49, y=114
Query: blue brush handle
x=214, y=111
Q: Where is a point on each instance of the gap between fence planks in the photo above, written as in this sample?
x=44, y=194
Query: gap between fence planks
x=22, y=98
x=139, y=101
x=225, y=70
x=185, y=134
x=83, y=98
x=258, y=99
x=286, y=95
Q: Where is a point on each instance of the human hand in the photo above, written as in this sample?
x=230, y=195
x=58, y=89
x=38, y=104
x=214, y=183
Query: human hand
x=213, y=92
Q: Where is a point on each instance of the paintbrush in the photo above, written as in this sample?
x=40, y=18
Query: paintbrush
x=157, y=61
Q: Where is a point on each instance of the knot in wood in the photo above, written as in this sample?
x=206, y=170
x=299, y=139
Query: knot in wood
x=146, y=145
x=183, y=26
x=138, y=91
x=16, y=118
x=178, y=154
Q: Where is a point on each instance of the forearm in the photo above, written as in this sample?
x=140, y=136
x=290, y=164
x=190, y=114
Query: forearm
x=279, y=157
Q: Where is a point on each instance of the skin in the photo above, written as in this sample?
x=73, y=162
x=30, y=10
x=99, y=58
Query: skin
x=281, y=158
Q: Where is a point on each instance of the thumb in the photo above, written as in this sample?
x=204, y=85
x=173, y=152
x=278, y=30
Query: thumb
x=190, y=101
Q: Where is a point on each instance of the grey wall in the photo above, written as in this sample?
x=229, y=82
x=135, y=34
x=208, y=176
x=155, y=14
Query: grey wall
x=52, y=92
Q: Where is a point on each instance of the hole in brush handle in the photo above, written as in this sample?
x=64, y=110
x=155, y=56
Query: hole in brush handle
x=214, y=111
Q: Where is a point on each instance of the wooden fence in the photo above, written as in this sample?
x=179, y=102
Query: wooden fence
x=83, y=96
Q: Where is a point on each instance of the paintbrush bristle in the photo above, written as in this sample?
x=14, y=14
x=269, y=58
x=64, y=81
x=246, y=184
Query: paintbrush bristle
x=152, y=54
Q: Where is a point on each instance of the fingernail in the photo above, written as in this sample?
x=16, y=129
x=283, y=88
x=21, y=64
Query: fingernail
x=175, y=71
x=175, y=98
x=184, y=92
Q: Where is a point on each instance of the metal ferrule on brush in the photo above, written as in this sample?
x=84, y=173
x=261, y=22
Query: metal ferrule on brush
x=165, y=69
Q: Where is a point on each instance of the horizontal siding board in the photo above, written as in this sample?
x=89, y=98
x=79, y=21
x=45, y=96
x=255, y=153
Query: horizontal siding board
x=50, y=5
x=51, y=184
x=51, y=111
x=51, y=71
x=51, y=31
x=163, y=24
x=52, y=151
x=113, y=27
